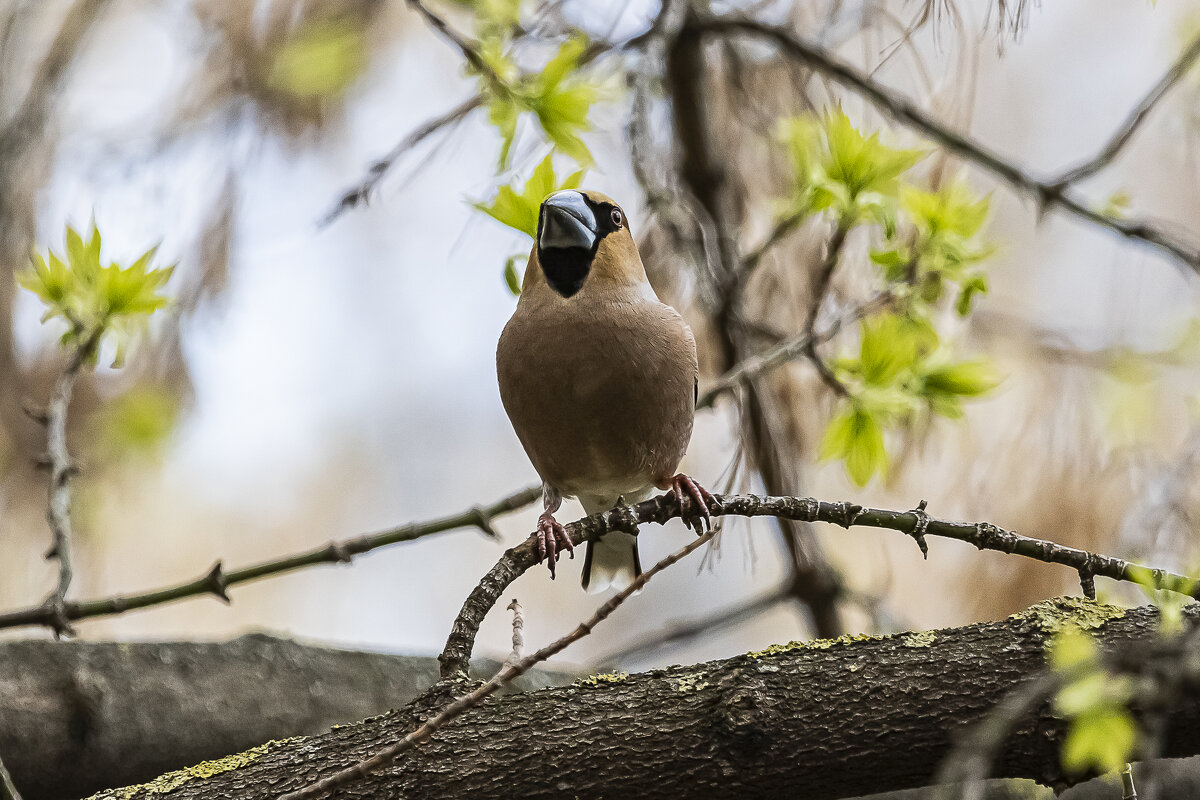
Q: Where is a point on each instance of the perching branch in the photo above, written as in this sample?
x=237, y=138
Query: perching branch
x=217, y=581
x=900, y=108
x=918, y=524
x=1136, y=117
x=472, y=699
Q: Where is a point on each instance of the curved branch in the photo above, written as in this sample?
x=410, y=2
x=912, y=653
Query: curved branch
x=217, y=581
x=456, y=655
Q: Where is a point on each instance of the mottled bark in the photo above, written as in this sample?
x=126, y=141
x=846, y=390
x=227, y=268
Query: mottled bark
x=77, y=717
x=817, y=720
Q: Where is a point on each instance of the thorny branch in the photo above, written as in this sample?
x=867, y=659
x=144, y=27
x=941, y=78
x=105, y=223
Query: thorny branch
x=916, y=523
x=1046, y=193
x=508, y=673
x=1136, y=117
x=61, y=467
x=217, y=581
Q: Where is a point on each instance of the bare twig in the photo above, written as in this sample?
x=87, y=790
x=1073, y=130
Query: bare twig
x=824, y=279
x=785, y=351
x=456, y=655
x=508, y=673
x=518, y=628
x=468, y=49
x=58, y=460
x=217, y=581
x=1128, y=790
x=900, y=108
x=361, y=192
x=1136, y=117
x=8, y=791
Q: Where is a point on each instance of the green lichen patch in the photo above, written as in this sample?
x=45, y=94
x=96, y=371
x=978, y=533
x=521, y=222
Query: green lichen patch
x=815, y=644
x=690, y=683
x=1059, y=613
x=919, y=639
x=603, y=678
x=173, y=780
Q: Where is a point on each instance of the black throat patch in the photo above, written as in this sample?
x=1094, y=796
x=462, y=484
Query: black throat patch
x=567, y=268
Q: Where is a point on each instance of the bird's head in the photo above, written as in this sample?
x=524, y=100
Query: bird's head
x=583, y=237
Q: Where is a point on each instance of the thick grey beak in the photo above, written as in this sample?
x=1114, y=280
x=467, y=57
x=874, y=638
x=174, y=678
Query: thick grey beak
x=567, y=222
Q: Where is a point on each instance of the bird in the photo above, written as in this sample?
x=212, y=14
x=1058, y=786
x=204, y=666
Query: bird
x=600, y=380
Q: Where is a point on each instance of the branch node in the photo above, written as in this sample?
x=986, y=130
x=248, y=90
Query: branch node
x=812, y=509
x=849, y=513
x=339, y=552
x=217, y=583
x=1087, y=581
x=920, y=527
x=481, y=520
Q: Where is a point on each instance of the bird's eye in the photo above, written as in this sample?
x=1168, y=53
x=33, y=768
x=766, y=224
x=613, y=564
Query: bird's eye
x=617, y=217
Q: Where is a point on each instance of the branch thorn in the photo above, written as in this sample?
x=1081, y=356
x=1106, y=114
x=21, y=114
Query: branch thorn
x=919, y=528
x=217, y=583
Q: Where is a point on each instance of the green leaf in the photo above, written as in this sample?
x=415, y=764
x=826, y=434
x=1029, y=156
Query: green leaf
x=965, y=379
x=856, y=436
x=975, y=284
x=323, y=59
x=1102, y=740
x=519, y=209
x=511, y=278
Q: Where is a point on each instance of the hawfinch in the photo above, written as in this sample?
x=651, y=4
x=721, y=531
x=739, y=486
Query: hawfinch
x=599, y=380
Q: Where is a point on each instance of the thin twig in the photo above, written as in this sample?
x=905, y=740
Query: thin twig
x=824, y=280
x=8, y=790
x=469, y=51
x=900, y=108
x=58, y=459
x=456, y=655
x=785, y=351
x=470, y=700
x=518, y=636
x=1128, y=790
x=1136, y=117
x=217, y=581
x=361, y=192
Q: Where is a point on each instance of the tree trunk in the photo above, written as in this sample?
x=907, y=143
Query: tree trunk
x=77, y=717
x=816, y=720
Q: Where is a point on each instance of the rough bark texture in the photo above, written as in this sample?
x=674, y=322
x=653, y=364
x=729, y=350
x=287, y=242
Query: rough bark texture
x=77, y=717
x=825, y=719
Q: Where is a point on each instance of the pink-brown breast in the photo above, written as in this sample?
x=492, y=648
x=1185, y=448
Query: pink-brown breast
x=600, y=392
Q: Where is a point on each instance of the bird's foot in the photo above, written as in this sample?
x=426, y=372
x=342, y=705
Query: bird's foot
x=552, y=539
x=689, y=493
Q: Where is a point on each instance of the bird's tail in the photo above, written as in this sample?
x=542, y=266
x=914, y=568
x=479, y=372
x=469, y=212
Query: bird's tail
x=611, y=562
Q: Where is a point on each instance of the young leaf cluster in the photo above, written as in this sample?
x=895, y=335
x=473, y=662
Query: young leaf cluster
x=519, y=208
x=1102, y=734
x=95, y=299
x=557, y=96
x=928, y=239
x=901, y=370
